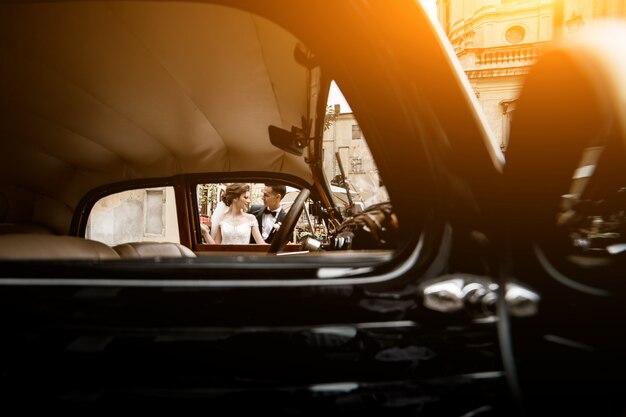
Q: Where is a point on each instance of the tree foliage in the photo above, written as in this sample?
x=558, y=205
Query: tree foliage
x=330, y=117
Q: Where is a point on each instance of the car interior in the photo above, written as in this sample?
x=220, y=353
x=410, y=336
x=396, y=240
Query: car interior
x=107, y=135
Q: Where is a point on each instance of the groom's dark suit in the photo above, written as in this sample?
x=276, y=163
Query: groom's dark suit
x=257, y=211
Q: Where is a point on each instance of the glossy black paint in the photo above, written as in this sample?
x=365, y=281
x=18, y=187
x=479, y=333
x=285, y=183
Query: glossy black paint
x=330, y=349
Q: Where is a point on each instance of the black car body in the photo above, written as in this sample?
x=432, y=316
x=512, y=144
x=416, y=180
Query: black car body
x=470, y=298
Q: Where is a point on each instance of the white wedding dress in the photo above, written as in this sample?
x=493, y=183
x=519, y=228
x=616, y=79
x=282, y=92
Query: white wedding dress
x=237, y=234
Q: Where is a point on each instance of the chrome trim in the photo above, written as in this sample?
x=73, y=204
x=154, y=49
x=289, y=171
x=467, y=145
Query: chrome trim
x=554, y=273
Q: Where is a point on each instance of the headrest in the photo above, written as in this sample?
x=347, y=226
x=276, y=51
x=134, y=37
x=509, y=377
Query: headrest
x=153, y=249
x=38, y=246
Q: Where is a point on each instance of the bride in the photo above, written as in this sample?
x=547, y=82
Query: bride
x=235, y=227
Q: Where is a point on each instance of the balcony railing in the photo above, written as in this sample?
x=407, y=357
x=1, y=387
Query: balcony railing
x=505, y=56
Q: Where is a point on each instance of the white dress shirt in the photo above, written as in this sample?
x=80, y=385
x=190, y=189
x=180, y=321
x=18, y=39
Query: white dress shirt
x=268, y=223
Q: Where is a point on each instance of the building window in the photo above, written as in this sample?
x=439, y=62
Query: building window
x=154, y=206
x=356, y=132
x=515, y=34
x=356, y=165
x=508, y=110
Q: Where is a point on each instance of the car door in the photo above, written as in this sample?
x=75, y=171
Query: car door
x=564, y=217
x=404, y=330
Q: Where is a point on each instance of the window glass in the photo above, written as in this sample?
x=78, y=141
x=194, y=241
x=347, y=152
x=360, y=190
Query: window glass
x=211, y=209
x=140, y=215
x=348, y=163
x=356, y=132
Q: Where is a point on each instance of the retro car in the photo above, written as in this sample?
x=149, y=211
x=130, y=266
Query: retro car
x=466, y=284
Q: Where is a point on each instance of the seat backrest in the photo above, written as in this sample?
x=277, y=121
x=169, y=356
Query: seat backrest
x=25, y=246
x=153, y=249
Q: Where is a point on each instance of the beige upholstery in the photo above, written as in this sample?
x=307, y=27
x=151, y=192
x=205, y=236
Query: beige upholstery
x=138, y=94
x=41, y=246
x=153, y=249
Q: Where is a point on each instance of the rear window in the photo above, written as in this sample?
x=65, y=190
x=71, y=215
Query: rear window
x=140, y=215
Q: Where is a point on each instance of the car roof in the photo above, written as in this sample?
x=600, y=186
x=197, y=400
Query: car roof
x=94, y=93
x=130, y=89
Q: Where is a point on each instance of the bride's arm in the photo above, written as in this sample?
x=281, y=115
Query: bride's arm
x=257, y=235
x=206, y=234
x=218, y=235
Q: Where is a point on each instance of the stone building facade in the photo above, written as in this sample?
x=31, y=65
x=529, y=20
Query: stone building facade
x=497, y=41
x=345, y=139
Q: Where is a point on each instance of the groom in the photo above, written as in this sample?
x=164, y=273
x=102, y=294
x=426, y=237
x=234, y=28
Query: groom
x=270, y=212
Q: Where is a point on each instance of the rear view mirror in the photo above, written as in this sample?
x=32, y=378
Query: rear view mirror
x=293, y=141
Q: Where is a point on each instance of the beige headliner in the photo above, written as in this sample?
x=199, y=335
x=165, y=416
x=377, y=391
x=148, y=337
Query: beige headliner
x=98, y=92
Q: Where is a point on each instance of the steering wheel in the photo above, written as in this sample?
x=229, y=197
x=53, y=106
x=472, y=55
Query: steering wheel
x=289, y=222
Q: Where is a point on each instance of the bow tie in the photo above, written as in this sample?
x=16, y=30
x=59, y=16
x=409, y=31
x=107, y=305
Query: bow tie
x=268, y=211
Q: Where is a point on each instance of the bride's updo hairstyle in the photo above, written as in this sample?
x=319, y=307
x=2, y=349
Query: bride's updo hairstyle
x=234, y=191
